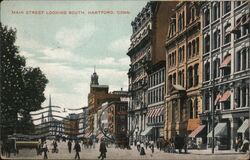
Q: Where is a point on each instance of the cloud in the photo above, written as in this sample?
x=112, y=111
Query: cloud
x=120, y=45
x=57, y=54
x=26, y=54
x=113, y=61
x=73, y=37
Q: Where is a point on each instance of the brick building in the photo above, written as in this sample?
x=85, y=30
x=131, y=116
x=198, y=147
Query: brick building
x=183, y=80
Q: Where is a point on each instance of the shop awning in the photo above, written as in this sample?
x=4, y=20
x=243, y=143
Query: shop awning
x=147, y=131
x=217, y=99
x=196, y=131
x=149, y=112
x=100, y=136
x=226, y=62
x=156, y=112
x=225, y=96
x=243, y=127
x=152, y=113
x=193, y=124
x=161, y=111
x=219, y=131
x=179, y=87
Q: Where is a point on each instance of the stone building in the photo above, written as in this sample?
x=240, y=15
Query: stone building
x=156, y=106
x=226, y=68
x=146, y=49
x=183, y=80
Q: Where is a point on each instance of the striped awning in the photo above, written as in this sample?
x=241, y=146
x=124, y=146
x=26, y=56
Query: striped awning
x=152, y=113
x=196, y=131
x=243, y=127
x=100, y=136
x=217, y=99
x=149, y=112
x=225, y=96
x=157, y=110
x=226, y=62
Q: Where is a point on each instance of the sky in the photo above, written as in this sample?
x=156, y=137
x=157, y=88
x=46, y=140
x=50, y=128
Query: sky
x=67, y=46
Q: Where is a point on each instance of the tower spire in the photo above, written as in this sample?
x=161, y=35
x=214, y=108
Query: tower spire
x=94, y=68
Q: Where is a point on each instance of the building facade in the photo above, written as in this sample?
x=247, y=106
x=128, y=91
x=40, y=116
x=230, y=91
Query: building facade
x=117, y=121
x=146, y=50
x=156, y=105
x=226, y=67
x=98, y=95
x=183, y=80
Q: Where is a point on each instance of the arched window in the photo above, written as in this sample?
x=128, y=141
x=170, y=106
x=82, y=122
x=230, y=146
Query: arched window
x=190, y=77
x=195, y=108
x=206, y=17
x=207, y=71
x=191, y=109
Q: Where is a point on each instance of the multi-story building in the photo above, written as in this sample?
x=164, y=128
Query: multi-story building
x=226, y=67
x=183, y=80
x=117, y=121
x=146, y=50
x=156, y=105
x=97, y=96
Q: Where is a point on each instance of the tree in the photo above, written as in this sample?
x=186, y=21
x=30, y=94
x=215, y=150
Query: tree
x=21, y=88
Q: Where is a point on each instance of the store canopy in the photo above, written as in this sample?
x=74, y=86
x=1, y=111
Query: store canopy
x=196, y=131
x=193, y=124
x=147, y=131
x=217, y=98
x=100, y=136
x=225, y=96
x=226, y=62
x=243, y=127
x=219, y=131
x=156, y=112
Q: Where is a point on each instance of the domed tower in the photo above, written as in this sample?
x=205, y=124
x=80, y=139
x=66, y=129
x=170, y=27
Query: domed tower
x=94, y=78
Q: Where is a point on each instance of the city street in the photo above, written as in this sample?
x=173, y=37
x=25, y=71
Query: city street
x=115, y=153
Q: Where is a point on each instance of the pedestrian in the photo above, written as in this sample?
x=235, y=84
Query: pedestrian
x=138, y=146
x=69, y=145
x=54, y=146
x=45, y=150
x=238, y=143
x=102, y=150
x=152, y=147
x=245, y=145
x=142, y=150
x=77, y=148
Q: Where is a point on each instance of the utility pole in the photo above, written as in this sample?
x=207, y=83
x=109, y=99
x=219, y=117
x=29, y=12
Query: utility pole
x=212, y=103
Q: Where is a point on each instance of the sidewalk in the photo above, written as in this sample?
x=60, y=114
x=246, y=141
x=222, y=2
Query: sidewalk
x=217, y=152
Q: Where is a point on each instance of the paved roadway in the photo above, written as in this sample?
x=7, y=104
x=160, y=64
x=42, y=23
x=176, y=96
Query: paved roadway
x=115, y=153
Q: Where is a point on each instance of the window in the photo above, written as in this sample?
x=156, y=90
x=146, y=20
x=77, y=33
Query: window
x=227, y=7
x=207, y=71
x=216, y=39
x=179, y=77
x=196, y=74
x=216, y=10
x=206, y=17
x=237, y=3
x=174, y=78
x=207, y=43
x=193, y=48
x=245, y=24
x=191, y=112
x=196, y=108
x=207, y=101
x=227, y=33
x=189, y=50
x=237, y=30
x=197, y=45
x=190, y=77
x=243, y=95
x=237, y=97
x=216, y=68
x=193, y=14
